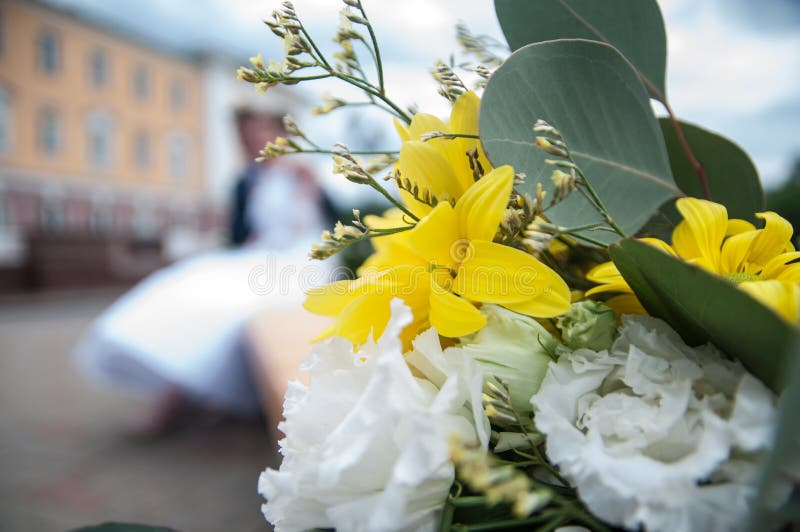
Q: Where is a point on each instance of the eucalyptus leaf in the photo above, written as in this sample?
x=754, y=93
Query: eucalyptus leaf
x=589, y=92
x=732, y=176
x=634, y=27
x=703, y=307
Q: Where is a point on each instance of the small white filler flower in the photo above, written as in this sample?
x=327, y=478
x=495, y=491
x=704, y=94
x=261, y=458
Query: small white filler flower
x=367, y=444
x=654, y=433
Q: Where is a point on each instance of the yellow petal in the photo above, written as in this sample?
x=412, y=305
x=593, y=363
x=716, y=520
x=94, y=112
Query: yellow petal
x=451, y=315
x=782, y=297
x=735, y=252
x=481, y=209
x=659, y=244
x=464, y=119
x=549, y=305
x=626, y=304
x=772, y=239
x=423, y=123
x=780, y=264
x=366, y=315
x=436, y=237
x=707, y=223
x=736, y=226
x=329, y=300
x=402, y=130
x=493, y=273
x=424, y=165
x=683, y=242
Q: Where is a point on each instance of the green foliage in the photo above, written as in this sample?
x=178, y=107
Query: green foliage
x=732, y=177
x=703, y=308
x=574, y=85
x=634, y=27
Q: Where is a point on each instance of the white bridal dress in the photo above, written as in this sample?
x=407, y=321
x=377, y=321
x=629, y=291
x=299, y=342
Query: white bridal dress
x=183, y=327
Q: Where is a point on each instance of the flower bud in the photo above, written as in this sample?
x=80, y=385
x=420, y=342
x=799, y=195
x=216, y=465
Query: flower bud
x=513, y=348
x=588, y=324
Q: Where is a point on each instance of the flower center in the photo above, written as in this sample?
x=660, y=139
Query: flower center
x=741, y=277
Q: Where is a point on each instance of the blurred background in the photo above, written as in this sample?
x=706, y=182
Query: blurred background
x=123, y=150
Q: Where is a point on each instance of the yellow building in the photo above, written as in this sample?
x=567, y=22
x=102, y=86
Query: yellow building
x=99, y=134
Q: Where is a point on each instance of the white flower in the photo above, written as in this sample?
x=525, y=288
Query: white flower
x=655, y=433
x=367, y=443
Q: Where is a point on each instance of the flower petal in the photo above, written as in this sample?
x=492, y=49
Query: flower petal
x=453, y=316
x=464, y=119
x=366, y=315
x=329, y=300
x=481, y=209
x=735, y=252
x=402, y=130
x=493, y=273
x=779, y=266
x=625, y=304
x=609, y=279
x=736, y=226
x=780, y=296
x=429, y=170
x=707, y=222
x=436, y=237
x=423, y=123
x=771, y=240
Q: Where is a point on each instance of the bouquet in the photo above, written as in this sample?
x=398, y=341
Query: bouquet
x=576, y=314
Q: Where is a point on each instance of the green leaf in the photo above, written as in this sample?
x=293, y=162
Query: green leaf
x=634, y=27
x=732, y=177
x=703, y=307
x=591, y=94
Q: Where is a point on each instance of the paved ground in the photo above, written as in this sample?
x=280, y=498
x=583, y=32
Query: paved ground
x=66, y=459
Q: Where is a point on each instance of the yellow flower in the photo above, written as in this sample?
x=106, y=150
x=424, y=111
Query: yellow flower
x=440, y=165
x=441, y=268
x=759, y=261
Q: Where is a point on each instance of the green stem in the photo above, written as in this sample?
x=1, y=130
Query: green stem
x=600, y=205
x=366, y=87
x=587, y=239
x=374, y=184
x=469, y=502
x=316, y=50
x=377, y=52
x=509, y=523
x=329, y=152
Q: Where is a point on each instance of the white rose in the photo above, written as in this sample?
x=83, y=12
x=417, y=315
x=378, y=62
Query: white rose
x=367, y=444
x=655, y=433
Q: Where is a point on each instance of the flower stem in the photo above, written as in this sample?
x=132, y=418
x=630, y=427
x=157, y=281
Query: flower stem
x=376, y=50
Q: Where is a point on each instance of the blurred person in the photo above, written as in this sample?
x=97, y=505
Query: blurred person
x=181, y=335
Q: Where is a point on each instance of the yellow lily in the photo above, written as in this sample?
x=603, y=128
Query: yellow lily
x=759, y=261
x=440, y=165
x=450, y=263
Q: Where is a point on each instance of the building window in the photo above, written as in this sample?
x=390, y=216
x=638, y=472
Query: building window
x=141, y=82
x=177, y=94
x=141, y=150
x=49, y=51
x=98, y=65
x=49, y=132
x=100, y=131
x=5, y=121
x=178, y=155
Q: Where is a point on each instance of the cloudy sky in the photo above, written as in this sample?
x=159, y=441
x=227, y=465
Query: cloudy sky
x=734, y=65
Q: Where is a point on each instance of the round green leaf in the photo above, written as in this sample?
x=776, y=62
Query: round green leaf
x=732, y=177
x=703, y=307
x=591, y=94
x=634, y=27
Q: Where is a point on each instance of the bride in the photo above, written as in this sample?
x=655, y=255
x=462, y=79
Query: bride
x=188, y=334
